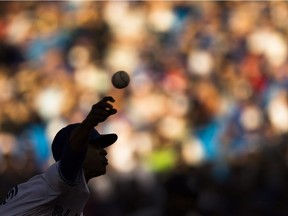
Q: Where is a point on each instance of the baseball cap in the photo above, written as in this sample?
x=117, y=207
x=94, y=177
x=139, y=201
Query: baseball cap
x=62, y=136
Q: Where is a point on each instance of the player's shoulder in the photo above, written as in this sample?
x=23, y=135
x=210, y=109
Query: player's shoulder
x=51, y=175
x=55, y=179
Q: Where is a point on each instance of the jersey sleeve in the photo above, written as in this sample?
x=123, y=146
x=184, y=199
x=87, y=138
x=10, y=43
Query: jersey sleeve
x=53, y=177
x=57, y=181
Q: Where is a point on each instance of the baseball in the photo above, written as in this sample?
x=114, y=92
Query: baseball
x=120, y=79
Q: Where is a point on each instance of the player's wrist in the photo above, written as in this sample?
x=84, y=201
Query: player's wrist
x=88, y=125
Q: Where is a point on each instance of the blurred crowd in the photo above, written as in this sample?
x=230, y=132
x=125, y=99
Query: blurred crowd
x=202, y=126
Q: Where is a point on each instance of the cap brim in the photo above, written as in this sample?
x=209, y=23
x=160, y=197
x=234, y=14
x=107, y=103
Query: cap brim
x=105, y=140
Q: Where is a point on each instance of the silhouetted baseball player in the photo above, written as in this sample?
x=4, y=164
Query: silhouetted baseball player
x=62, y=190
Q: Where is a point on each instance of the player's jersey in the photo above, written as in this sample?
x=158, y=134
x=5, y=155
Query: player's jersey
x=47, y=195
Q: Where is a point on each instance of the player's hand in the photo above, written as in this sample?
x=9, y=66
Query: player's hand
x=100, y=112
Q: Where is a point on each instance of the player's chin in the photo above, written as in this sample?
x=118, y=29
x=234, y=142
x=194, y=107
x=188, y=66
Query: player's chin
x=101, y=171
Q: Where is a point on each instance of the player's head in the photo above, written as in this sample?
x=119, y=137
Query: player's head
x=97, y=143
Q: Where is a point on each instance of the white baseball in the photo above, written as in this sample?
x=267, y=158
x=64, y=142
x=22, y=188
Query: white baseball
x=120, y=79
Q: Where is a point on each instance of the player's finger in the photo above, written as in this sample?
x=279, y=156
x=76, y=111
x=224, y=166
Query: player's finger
x=100, y=112
x=108, y=98
x=107, y=105
x=112, y=111
x=102, y=105
x=106, y=112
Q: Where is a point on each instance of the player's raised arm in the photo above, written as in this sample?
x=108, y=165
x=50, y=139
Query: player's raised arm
x=99, y=113
x=76, y=148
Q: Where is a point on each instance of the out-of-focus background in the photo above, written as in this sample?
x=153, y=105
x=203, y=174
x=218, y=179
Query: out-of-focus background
x=203, y=125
